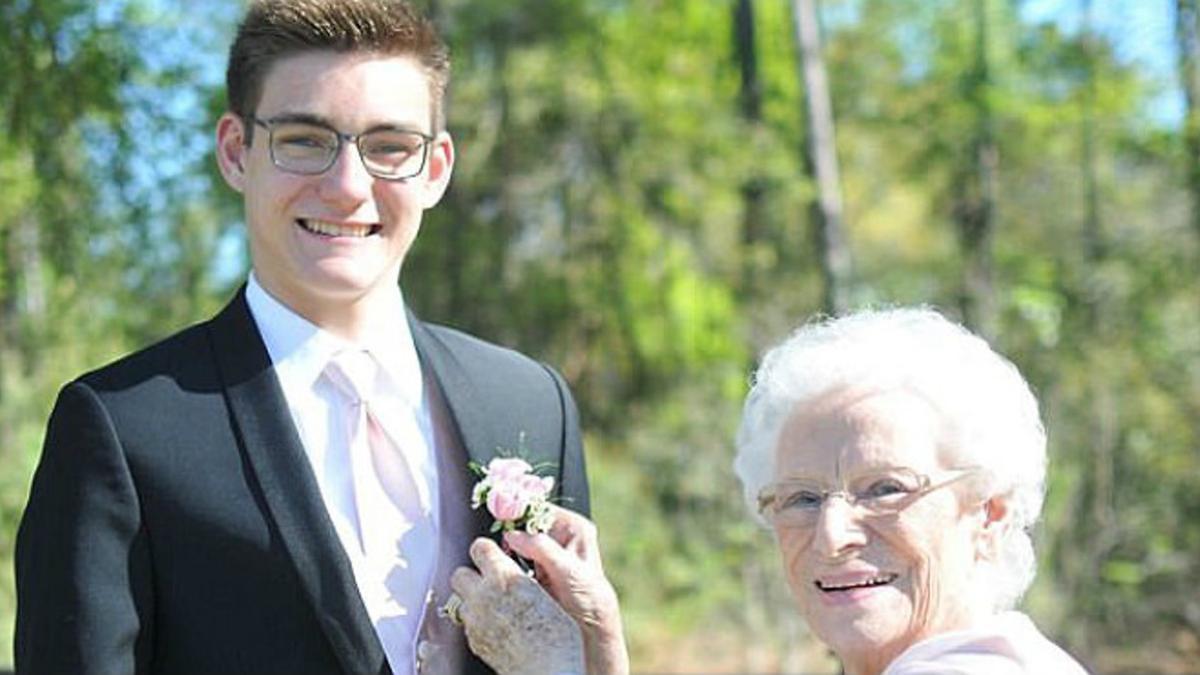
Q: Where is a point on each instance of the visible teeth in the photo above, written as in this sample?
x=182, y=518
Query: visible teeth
x=873, y=581
x=335, y=229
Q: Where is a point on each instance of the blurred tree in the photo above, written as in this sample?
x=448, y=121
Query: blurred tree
x=820, y=153
x=1187, y=39
x=751, y=94
x=975, y=205
x=43, y=52
x=1092, y=312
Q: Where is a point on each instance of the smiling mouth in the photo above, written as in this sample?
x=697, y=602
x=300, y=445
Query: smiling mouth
x=326, y=228
x=881, y=580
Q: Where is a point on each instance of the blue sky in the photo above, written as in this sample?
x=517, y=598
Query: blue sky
x=1142, y=32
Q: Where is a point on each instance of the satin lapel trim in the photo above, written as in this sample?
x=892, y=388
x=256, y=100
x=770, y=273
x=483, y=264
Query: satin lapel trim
x=457, y=390
x=274, y=453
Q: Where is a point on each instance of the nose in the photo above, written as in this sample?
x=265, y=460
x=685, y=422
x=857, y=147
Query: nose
x=347, y=183
x=838, y=529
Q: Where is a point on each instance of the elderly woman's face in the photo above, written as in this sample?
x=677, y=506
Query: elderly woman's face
x=871, y=583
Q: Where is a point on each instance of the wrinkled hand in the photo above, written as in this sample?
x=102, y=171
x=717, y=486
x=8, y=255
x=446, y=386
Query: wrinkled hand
x=567, y=559
x=510, y=621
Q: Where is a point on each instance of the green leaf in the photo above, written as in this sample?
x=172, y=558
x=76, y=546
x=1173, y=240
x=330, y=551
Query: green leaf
x=1123, y=572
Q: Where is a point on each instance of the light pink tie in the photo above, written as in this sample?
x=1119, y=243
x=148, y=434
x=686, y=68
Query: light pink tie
x=386, y=499
x=395, y=532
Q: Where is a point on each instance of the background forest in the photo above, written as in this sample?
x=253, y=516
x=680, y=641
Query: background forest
x=648, y=193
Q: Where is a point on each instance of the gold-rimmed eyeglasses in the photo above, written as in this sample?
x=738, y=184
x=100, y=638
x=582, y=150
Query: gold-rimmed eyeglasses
x=797, y=502
x=309, y=148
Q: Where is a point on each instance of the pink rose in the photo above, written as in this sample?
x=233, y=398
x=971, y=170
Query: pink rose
x=512, y=487
x=506, y=503
x=536, y=486
x=503, y=469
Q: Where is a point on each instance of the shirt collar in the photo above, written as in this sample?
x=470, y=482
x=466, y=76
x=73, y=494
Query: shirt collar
x=301, y=350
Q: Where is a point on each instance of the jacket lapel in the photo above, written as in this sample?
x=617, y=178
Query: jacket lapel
x=485, y=404
x=453, y=378
x=274, y=452
x=459, y=414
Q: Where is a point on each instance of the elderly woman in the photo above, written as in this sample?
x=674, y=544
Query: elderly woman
x=901, y=463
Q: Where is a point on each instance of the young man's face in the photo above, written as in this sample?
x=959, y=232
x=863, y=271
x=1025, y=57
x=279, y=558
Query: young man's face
x=322, y=243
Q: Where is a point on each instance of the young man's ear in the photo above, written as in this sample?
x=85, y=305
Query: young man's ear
x=437, y=174
x=231, y=150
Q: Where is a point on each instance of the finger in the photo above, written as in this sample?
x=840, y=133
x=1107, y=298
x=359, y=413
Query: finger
x=551, y=558
x=466, y=582
x=566, y=523
x=575, y=533
x=580, y=526
x=491, y=561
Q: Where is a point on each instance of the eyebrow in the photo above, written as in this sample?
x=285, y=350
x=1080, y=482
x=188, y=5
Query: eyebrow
x=322, y=121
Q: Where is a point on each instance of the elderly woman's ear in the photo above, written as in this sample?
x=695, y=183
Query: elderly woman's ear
x=996, y=522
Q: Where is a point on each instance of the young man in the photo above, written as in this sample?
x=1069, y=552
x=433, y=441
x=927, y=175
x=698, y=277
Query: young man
x=284, y=488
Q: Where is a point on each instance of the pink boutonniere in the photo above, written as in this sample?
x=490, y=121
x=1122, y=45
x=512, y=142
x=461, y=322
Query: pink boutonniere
x=514, y=494
x=517, y=499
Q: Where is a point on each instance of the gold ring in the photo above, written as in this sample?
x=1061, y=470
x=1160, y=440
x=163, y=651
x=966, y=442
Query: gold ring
x=451, y=610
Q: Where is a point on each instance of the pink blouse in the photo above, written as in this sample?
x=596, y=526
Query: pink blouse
x=1005, y=644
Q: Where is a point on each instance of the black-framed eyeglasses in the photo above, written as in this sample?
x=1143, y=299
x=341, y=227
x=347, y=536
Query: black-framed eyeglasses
x=797, y=502
x=309, y=148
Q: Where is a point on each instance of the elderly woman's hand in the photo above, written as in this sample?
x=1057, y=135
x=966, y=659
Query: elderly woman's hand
x=568, y=565
x=510, y=621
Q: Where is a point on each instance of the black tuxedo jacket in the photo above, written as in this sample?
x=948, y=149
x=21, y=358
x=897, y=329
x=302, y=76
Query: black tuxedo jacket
x=174, y=524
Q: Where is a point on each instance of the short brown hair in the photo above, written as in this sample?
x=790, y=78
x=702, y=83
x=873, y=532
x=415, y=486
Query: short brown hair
x=276, y=29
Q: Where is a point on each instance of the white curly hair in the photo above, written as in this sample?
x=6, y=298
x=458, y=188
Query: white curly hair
x=991, y=413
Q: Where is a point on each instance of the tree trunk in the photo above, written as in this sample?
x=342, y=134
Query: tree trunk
x=1093, y=227
x=1099, y=467
x=1094, y=247
x=820, y=158
x=753, y=207
x=1187, y=36
x=975, y=210
x=8, y=323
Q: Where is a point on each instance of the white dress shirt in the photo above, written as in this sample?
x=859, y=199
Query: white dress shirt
x=300, y=352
